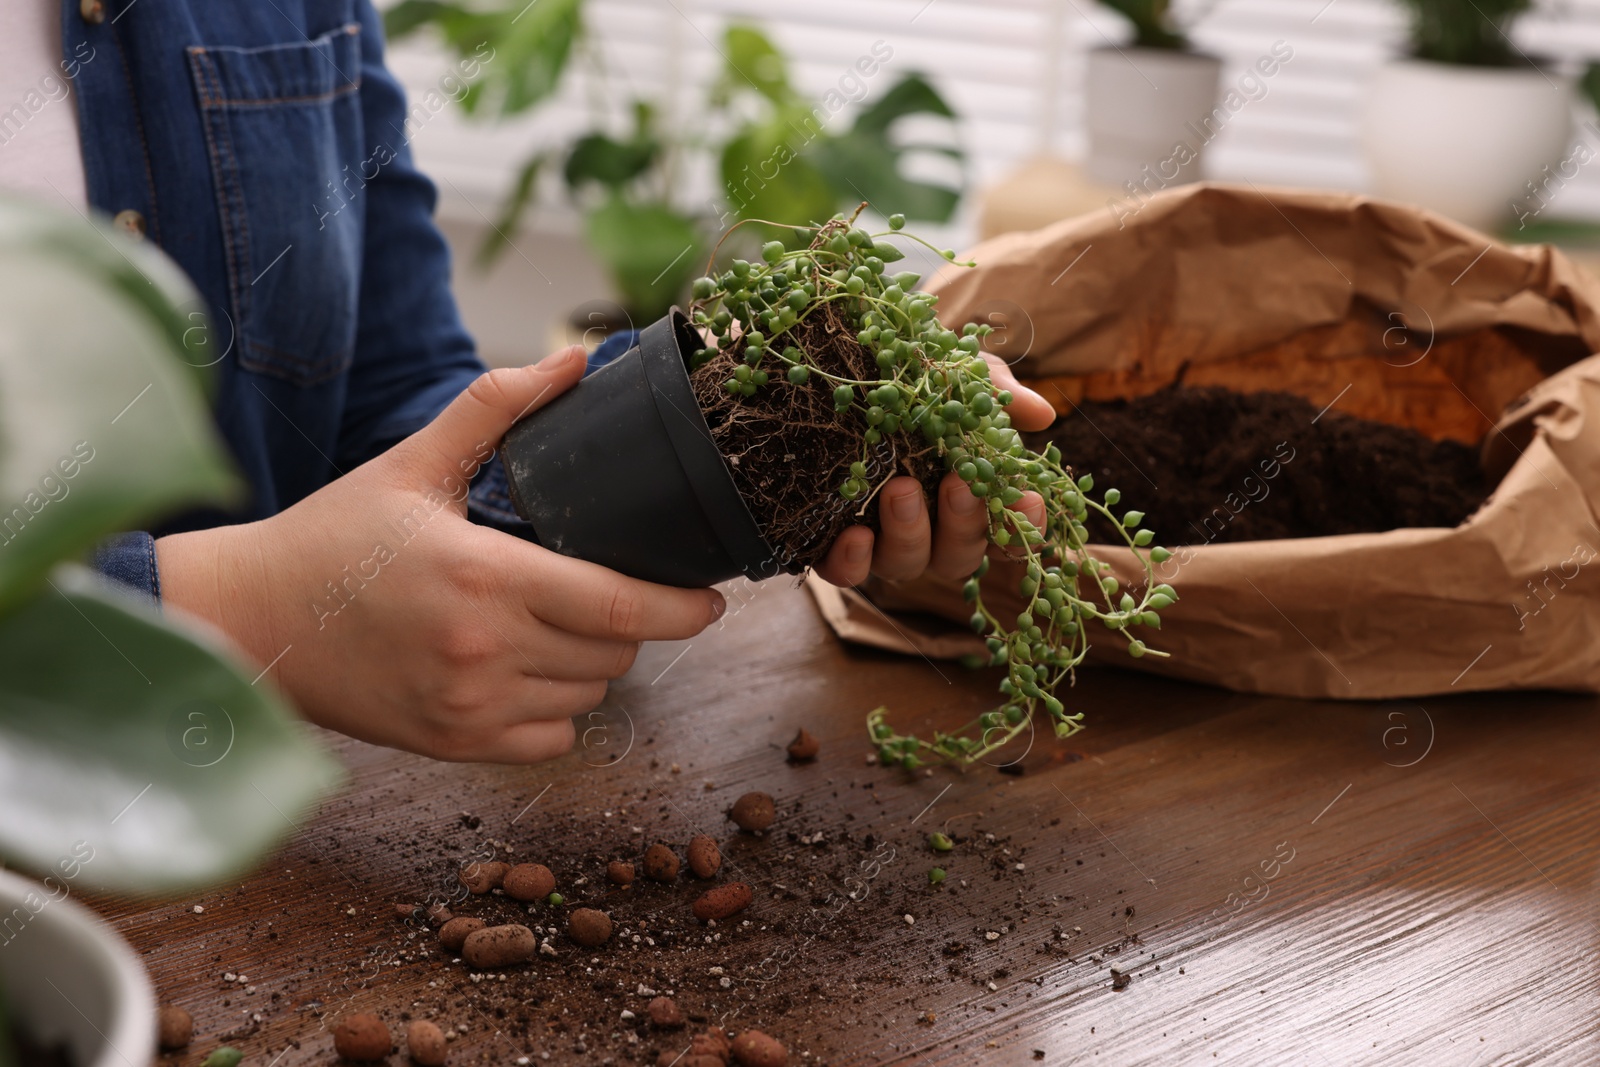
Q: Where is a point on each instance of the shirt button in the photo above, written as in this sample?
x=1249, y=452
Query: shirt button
x=93, y=11
x=129, y=222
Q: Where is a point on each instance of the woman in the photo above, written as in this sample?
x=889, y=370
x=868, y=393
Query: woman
x=263, y=147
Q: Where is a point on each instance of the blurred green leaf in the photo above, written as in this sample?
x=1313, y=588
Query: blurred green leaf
x=1590, y=84
x=101, y=427
x=1152, y=26
x=520, y=50
x=763, y=177
x=143, y=742
x=865, y=163
x=611, y=163
x=1465, y=32
x=752, y=61
x=650, y=250
x=504, y=229
x=408, y=16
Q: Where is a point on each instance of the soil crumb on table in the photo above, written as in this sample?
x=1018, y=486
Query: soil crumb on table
x=1208, y=464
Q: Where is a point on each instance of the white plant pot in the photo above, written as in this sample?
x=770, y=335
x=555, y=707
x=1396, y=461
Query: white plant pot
x=1464, y=141
x=1140, y=103
x=69, y=978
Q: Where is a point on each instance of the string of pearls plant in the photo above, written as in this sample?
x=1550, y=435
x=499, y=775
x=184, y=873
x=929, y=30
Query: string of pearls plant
x=935, y=387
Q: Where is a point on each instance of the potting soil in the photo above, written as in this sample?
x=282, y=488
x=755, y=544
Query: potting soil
x=1208, y=464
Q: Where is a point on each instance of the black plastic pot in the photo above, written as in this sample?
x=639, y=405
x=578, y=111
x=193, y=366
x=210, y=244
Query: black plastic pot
x=621, y=470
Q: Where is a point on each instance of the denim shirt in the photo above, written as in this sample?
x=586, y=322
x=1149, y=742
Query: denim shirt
x=263, y=147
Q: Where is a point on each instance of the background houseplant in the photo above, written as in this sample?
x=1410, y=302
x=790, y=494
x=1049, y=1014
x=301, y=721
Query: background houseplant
x=1465, y=120
x=776, y=151
x=1140, y=100
x=134, y=755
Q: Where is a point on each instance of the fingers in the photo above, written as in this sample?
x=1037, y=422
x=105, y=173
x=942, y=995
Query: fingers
x=565, y=657
x=592, y=601
x=849, y=561
x=534, y=742
x=1028, y=410
x=485, y=411
x=963, y=530
x=905, y=536
x=524, y=743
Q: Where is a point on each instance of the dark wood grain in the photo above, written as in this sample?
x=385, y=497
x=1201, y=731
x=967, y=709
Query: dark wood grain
x=1283, y=882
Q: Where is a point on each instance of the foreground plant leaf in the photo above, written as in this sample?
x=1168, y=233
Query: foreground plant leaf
x=101, y=428
x=143, y=743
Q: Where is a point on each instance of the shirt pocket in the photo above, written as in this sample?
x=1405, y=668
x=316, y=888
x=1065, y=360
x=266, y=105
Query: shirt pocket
x=284, y=132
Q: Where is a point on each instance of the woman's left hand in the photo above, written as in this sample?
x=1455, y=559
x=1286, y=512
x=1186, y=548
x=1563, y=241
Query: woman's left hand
x=907, y=543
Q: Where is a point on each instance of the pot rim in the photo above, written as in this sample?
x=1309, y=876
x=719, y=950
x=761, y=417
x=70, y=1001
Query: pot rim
x=131, y=1029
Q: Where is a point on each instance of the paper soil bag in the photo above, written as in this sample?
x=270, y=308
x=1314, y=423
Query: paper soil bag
x=1378, y=309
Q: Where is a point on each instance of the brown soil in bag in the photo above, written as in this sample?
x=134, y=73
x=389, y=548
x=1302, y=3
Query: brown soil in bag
x=1207, y=464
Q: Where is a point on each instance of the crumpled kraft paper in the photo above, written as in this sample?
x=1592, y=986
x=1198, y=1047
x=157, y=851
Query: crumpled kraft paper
x=1237, y=279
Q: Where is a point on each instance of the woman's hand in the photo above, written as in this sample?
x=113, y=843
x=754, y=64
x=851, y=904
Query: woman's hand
x=389, y=616
x=907, y=543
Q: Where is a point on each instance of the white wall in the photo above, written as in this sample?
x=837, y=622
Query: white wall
x=1012, y=68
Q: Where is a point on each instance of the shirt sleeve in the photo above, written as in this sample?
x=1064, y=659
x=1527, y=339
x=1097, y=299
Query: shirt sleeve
x=130, y=559
x=412, y=355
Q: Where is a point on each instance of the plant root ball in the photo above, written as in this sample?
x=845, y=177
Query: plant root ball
x=723, y=901
x=790, y=449
x=426, y=1044
x=174, y=1027
x=480, y=878
x=529, y=881
x=705, y=859
x=454, y=934
x=589, y=927
x=665, y=1014
x=499, y=946
x=753, y=811
x=755, y=1049
x=804, y=747
x=660, y=863
x=362, y=1038
x=619, y=872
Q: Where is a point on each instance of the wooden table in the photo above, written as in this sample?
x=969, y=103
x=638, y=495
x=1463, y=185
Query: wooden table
x=1281, y=882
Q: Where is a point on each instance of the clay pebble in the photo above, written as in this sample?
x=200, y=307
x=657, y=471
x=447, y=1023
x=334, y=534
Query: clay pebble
x=453, y=934
x=665, y=1014
x=174, y=1027
x=804, y=746
x=755, y=1049
x=529, y=881
x=704, y=857
x=753, y=811
x=660, y=863
x=499, y=946
x=589, y=927
x=362, y=1038
x=426, y=1044
x=723, y=901
x=481, y=878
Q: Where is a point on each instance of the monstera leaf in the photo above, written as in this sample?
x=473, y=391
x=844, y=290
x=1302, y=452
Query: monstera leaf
x=866, y=164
